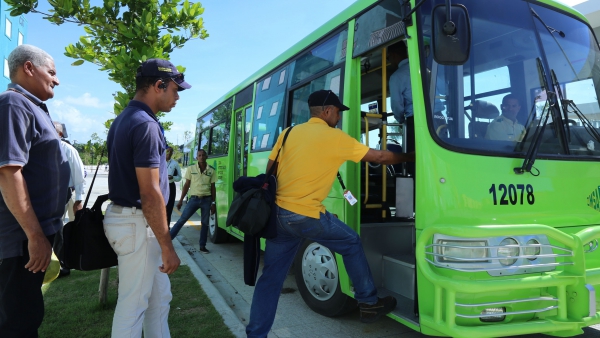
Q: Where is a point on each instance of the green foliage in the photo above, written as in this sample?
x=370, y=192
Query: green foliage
x=120, y=35
x=90, y=152
x=177, y=154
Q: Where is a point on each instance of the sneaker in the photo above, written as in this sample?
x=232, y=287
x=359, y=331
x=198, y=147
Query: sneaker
x=203, y=249
x=370, y=313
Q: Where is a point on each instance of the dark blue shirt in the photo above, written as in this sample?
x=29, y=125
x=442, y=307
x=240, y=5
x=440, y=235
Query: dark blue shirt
x=28, y=140
x=135, y=140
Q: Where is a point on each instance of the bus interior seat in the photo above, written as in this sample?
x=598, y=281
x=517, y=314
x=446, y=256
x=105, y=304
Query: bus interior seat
x=481, y=110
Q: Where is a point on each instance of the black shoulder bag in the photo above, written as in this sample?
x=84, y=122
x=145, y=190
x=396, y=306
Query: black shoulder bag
x=250, y=210
x=85, y=244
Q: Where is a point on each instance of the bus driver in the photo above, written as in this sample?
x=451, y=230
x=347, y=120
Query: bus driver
x=506, y=127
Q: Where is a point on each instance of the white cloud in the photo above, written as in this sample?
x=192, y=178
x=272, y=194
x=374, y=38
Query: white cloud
x=87, y=100
x=80, y=125
x=176, y=133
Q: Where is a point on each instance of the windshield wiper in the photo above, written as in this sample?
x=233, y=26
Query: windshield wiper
x=539, y=129
x=563, y=105
x=569, y=104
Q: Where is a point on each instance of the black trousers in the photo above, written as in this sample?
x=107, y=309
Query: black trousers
x=171, y=203
x=21, y=301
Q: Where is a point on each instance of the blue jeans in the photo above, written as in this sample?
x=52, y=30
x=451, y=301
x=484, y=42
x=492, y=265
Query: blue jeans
x=280, y=251
x=194, y=203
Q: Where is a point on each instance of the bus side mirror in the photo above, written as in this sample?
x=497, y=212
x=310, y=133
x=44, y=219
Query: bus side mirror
x=451, y=34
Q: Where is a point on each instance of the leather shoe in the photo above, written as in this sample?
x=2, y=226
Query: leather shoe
x=64, y=272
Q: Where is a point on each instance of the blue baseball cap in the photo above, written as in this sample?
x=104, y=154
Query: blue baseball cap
x=163, y=69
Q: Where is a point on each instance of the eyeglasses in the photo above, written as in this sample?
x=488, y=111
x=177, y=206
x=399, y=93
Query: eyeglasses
x=178, y=79
x=326, y=97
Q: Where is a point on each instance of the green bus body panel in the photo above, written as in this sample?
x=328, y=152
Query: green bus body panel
x=454, y=183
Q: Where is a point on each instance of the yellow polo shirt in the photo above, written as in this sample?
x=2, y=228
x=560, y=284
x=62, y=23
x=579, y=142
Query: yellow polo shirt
x=503, y=129
x=200, y=182
x=308, y=165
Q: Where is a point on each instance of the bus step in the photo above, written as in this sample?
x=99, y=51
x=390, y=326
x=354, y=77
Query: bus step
x=399, y=274
x=405, y=307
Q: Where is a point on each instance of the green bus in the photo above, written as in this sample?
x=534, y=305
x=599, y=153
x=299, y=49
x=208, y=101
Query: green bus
x=489, y=237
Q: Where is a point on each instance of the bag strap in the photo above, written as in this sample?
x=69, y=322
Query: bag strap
x=341, y=181
x=276, y=157
x=93, y=179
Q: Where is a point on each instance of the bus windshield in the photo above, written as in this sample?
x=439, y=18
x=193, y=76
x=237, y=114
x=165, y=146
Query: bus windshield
x=533, y=77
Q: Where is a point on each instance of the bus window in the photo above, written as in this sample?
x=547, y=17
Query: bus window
x=378, y=26
x=243, y=98
x=519, y=55
x=203, y=131
x=329, y=53
x=300, y=112
x=270, y=100
x=219, y=140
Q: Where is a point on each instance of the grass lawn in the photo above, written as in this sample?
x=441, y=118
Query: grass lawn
x=72, y=308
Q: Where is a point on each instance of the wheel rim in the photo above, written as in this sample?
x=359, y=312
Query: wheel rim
x=319, y=271
x=212, y=225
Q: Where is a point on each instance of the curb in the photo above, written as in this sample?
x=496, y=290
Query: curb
x=229, y=318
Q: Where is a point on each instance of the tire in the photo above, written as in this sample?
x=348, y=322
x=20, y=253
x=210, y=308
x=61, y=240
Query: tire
x=215, y=234
x=318, y=281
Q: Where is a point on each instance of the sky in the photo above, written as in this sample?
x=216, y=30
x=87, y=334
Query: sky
x=244, y=36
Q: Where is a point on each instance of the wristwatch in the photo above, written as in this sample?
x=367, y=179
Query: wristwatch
x=213, y=202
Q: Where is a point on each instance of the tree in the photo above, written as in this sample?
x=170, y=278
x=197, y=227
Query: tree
x=93, y=149
x=123, y=34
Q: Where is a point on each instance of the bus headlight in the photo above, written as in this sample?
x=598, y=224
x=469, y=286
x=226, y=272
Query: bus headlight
x=508, y=248
x=532, y=249
x=462, y=251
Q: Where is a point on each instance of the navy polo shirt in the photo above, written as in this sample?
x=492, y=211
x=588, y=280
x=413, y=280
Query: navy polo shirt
x=28, y=140
x=135, y=140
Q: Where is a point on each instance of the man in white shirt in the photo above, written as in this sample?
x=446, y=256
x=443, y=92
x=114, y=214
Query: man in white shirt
x=76, y=191
x=174, y=173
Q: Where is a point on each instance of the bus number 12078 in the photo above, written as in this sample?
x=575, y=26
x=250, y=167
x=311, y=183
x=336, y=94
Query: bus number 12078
x=514, y=192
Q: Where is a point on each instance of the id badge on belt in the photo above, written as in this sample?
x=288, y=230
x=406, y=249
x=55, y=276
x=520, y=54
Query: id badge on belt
x=349, y=197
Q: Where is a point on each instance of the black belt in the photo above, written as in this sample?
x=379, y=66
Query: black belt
x=196, y=196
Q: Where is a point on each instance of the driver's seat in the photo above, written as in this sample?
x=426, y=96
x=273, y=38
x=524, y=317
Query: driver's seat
x=481, y=110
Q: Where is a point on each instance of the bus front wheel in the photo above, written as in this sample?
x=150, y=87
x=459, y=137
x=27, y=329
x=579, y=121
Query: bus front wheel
x=217, y=235
x=318, y=281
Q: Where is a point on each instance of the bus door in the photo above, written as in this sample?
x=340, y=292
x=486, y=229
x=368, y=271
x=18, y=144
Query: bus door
x=242, y=124
x=387, y=232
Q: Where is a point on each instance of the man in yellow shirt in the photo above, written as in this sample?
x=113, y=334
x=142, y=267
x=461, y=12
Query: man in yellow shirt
x=201, y=178
x=506, y=127
x=306, y=170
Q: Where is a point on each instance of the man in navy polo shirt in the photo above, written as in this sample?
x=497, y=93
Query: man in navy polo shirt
x=135, y=222
x=34, y=176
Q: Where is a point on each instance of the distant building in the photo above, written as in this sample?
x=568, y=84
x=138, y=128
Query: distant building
x=13, y=32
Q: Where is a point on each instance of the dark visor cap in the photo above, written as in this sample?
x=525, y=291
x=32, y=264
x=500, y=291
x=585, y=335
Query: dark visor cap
x=325, y=98
x=163, y=69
